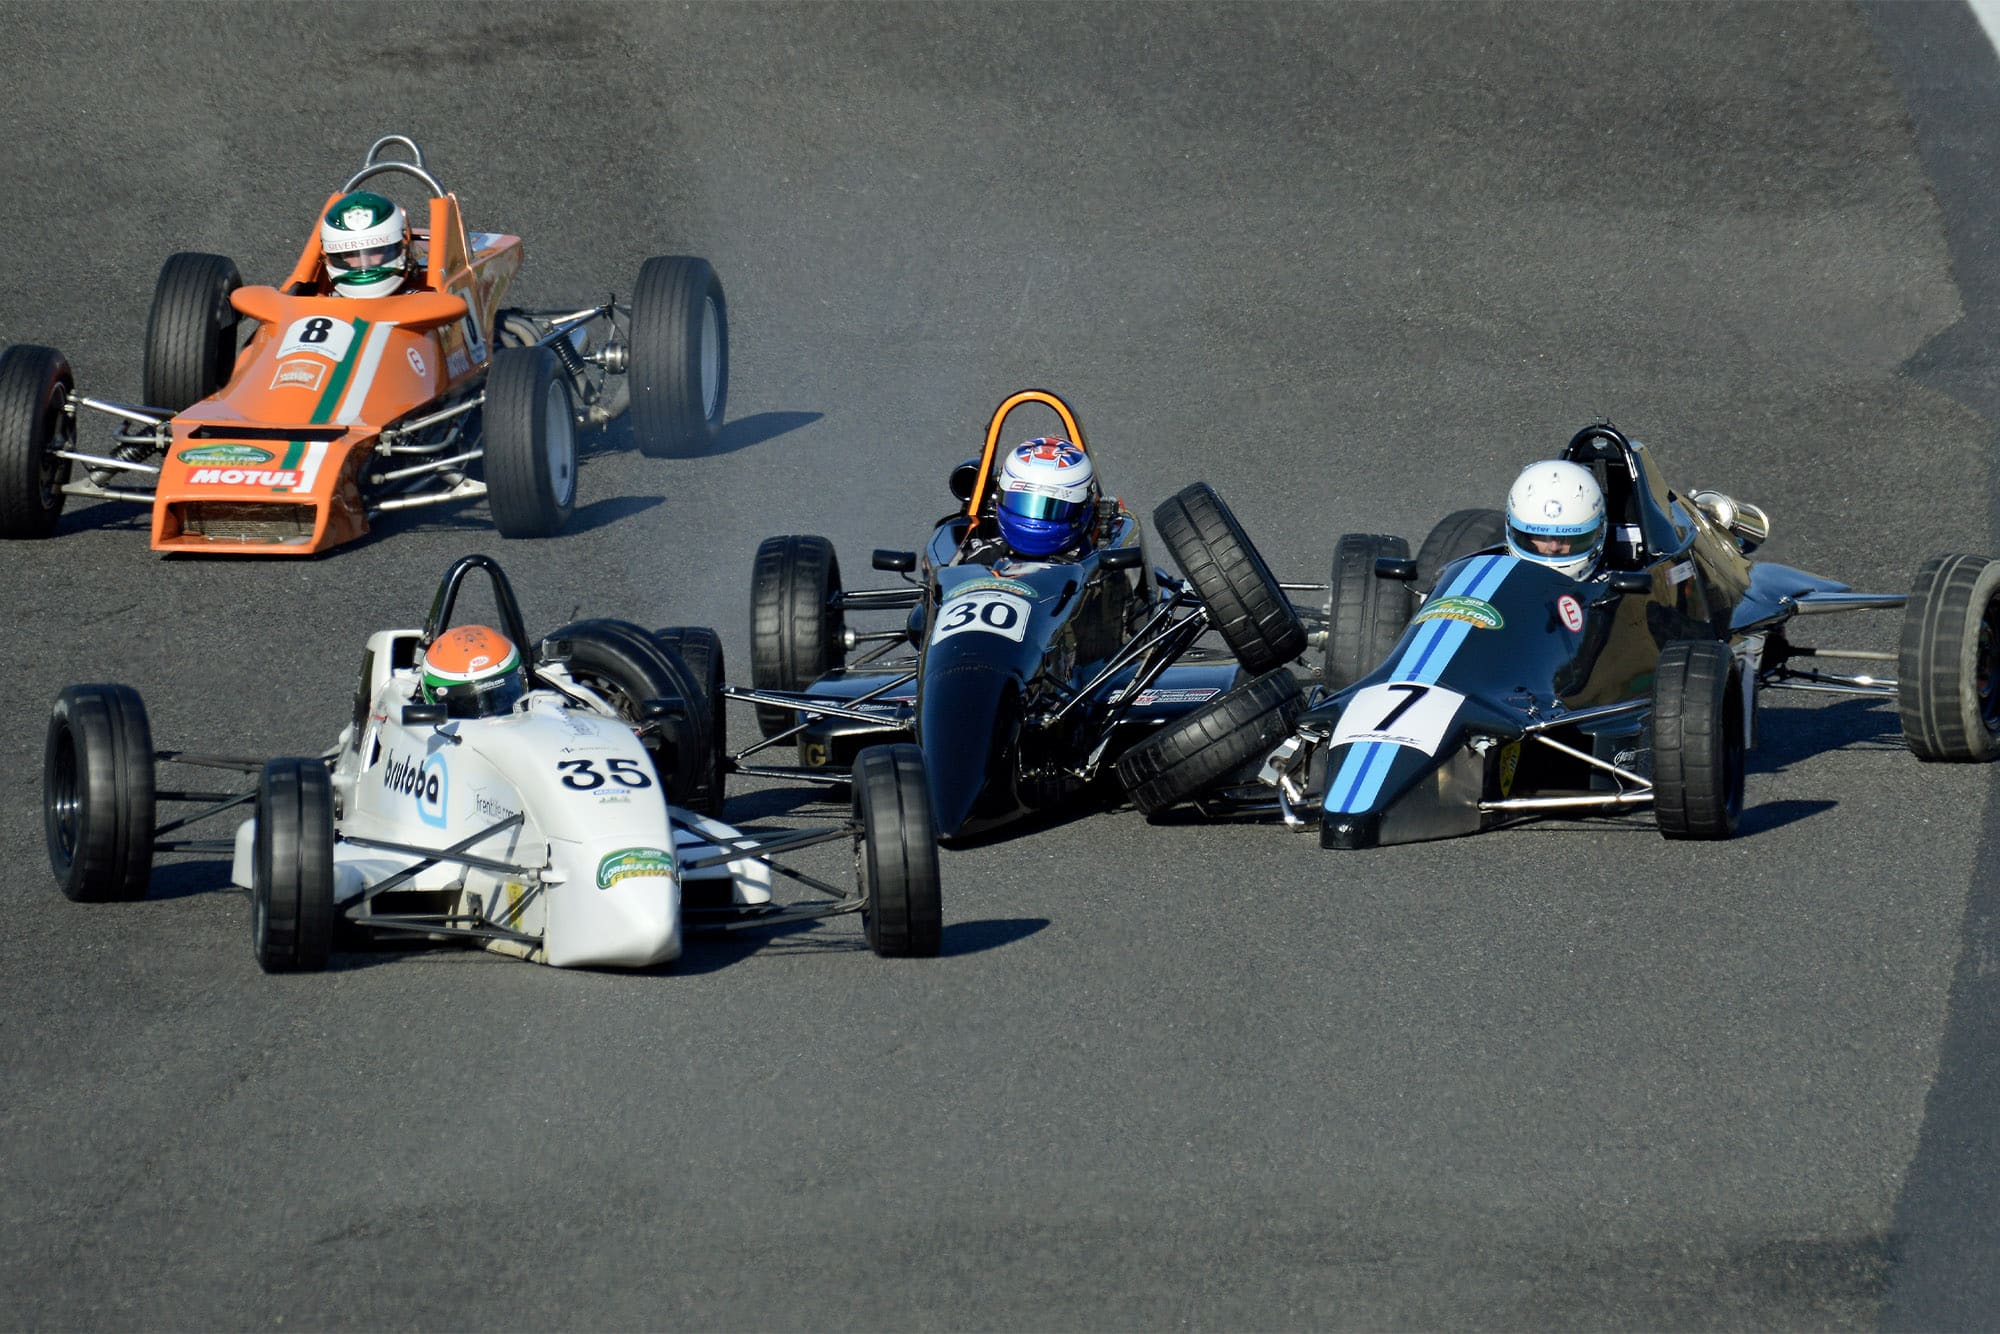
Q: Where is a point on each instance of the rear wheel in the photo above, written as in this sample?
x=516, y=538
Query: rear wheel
x=35, y=385
x=1368, y=613
x=1698, y=734
x=1234, y=584
x=700, y=650
x=191, y=332
x=624, y=665
x=291, y=880
x=529, y=424
x=1948, y=668
x=97, y=794
x=1457, y=536
x=796, y=634
x=896, y=853
x=679, y=374
x=1206, y=746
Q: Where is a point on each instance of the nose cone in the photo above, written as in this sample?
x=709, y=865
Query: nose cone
x=969, y=728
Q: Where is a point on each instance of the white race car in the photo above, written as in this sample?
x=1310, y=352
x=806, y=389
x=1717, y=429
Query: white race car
x=576, y=828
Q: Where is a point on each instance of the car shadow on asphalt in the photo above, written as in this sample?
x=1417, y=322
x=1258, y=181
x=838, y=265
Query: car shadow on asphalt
x=615, y=436
x=708, y=952
x=1787, y=735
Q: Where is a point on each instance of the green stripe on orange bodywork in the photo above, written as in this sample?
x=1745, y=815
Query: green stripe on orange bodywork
x=294, y=452
x=337, y=382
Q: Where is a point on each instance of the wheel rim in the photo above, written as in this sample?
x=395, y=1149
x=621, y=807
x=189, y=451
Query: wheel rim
x=65, y=799
x=560, y=434
x=711, y=358
x=59, y=432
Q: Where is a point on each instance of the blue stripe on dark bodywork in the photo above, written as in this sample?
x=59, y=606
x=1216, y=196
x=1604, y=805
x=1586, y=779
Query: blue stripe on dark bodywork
x=1366, y=766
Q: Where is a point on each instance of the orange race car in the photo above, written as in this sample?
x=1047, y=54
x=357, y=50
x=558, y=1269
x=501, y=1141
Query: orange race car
x=384, y=374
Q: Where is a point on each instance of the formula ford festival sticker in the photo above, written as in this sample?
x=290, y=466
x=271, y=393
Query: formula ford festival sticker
x=630, y=863
x=1473, y=611
x=238, y=454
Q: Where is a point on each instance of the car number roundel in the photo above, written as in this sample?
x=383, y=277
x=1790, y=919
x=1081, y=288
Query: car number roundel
x=983, y=612
x=321, y=335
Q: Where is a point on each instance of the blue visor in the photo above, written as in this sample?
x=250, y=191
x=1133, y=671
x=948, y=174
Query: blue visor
x=1028, y=505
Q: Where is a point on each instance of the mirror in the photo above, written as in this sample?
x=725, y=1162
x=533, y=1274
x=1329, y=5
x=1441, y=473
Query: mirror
x=1122, y=558
x=423, y=715
x=1395, y=567
x=895, y=562
x=963, y=478
x=1631, y=581
x=661, y=710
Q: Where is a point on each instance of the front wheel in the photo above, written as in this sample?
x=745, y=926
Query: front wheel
x=1204, y=747
x=97, y=794
x=191, y=331
x=796, y=633
x=35, y=385
x=700, y=651
x=1367, y=613
x=1698, y=740
x=530, y=432
x=624, y=666
x=679, y=373
x=1245, y=602
x=291, y=880
x=1457, y=536
x=1948, y=667
x=896, y=853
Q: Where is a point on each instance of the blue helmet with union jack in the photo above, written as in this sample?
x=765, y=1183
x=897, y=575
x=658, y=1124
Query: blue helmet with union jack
x=1048, y=496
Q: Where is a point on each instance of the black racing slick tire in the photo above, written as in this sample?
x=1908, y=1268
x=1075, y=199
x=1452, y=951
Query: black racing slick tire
x=1948, y=666
x=1698, y=740
x=679, y=372
x=35, y=385
x=1367, y=613
x=291, y=880
x=626, y=666
x=529, y=425
x=191, y=332
x=700, y=651
x=896, y=853
x=1244, y=601
x=97, y=794
x=1204, y=747
x=1457, y=536
x=796, y=633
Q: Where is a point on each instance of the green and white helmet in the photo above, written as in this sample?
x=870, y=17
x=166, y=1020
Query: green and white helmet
x=362, y=237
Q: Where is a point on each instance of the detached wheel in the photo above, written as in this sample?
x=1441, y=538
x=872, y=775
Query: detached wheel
x=1697, y=740
x=1234, y=584
x=679, y=372
x=291, y=877
x=796, y=633
x=1457, y=536
x=626, y=666
x=35, y=385
x=1948, y=668
x=97, y=794
x=530, y=450
x=1368, y=613
x=1200, y=749
x=191, y=332
x=895, y=854
x=700, y=651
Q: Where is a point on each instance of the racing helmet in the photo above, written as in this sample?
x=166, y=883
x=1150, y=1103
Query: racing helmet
x=475, y=672
x=1555, y=517
x=1048, y=496
x=365, y=244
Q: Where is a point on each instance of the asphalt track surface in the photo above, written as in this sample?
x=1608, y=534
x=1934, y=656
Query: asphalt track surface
x=1354, y=265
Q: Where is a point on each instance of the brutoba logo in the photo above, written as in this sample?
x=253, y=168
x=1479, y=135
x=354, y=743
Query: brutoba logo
x=631, y=863
x=224, y=454
x=426, y=781
x=1473, y=611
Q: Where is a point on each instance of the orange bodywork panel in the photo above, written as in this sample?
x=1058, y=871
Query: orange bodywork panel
x=273, y=462
x=1000, y=415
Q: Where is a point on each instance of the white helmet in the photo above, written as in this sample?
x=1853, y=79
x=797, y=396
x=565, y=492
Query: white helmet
x=362, y=238
x=1555, y=517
